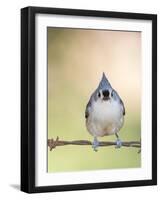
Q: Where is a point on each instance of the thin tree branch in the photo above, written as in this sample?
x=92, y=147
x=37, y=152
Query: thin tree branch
x=52, y=144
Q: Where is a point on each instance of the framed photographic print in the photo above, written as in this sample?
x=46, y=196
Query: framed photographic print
x=88, y=99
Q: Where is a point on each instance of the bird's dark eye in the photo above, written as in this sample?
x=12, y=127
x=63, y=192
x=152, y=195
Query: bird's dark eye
x=99, y=95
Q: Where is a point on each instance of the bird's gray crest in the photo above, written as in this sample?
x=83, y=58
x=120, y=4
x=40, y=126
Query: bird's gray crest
x=104, y=83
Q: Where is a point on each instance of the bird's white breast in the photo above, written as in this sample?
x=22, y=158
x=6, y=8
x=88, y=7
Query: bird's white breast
x=106, y=118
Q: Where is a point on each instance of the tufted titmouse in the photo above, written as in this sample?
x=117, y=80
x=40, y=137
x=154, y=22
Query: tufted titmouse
x=104, y=113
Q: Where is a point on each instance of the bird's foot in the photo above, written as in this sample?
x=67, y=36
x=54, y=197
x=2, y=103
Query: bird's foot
x=118, y=143
x=95, y=144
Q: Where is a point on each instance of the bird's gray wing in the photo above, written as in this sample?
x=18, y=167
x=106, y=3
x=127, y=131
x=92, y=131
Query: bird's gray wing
x=88, y=108
x=117, y=97
x=123, y=107
x=89, y=104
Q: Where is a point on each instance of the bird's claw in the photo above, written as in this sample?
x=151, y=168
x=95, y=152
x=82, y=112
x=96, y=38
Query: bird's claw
x=118, y=143
x=95, y=144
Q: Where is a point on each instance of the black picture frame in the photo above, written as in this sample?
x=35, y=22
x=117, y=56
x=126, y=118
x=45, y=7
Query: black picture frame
x=28, y=98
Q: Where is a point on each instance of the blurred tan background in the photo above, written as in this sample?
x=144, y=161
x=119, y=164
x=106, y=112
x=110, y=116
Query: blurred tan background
x=76, y=60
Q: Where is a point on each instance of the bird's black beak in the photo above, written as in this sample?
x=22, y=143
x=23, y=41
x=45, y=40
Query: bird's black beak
x=106, y=98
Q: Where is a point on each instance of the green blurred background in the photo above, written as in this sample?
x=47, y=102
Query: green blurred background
x=76, y=60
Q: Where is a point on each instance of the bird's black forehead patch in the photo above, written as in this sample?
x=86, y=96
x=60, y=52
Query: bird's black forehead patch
x=105, y=93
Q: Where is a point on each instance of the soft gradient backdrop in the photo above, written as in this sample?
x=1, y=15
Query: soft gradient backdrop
x=76, y=60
